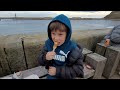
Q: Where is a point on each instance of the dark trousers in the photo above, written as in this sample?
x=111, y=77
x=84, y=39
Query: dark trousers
x=51, y=77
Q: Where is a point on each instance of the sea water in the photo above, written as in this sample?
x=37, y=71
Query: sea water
x=8, y=27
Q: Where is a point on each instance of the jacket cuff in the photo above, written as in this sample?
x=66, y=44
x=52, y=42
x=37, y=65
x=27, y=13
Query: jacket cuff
x=58, y=71
x=44, y=57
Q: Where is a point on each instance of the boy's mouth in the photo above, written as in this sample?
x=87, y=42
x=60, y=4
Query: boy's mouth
x=58, y=43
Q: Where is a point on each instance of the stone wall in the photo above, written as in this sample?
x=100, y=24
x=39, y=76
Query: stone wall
x=20, y=52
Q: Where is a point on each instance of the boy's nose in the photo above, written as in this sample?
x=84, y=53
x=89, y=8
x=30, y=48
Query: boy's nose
x=56, y=37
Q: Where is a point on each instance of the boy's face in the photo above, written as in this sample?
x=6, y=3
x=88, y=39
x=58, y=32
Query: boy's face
x=58, y=36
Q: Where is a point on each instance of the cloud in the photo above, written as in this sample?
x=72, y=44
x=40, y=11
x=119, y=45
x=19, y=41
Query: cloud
x=82, y=14
x=85, y=14
x=27, y=13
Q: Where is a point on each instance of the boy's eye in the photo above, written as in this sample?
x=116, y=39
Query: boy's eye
x=53, y=33
x=60, y=34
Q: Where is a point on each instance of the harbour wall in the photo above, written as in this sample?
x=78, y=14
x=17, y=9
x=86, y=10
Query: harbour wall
x=19, y=52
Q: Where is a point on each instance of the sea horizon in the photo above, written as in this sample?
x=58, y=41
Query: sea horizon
x=9, y=27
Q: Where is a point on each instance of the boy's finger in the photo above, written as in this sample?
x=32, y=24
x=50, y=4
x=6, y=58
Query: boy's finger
x=49, y=67
x=53, y=52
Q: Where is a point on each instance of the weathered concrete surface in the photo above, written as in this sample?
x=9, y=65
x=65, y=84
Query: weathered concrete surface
x=113, y=57
x=85, y=52
x=1, y=57
x=33, y=46
x=39, y=71
x=100, y=49
x=114, y=76
x=4, y=67
x=118, y=67
x=89, y=38
x=97, y=62
x=88, y=72
x=14, y=52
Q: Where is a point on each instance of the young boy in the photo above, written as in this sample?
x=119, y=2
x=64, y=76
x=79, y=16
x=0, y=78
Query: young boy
x=66, y=61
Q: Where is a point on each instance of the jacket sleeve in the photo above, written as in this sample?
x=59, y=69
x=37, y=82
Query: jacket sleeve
x=42, y=56
x=74, y=65
x=107, y=36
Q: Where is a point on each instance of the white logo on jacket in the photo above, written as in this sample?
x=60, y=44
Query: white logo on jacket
x=61, y=52
x=60, y=57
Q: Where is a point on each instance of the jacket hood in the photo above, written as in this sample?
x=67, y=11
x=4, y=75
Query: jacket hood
x=65, y=20
x=67, y=46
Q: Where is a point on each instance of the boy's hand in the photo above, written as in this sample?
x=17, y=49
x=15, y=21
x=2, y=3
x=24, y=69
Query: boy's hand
x=50, y=55
x=52, y=70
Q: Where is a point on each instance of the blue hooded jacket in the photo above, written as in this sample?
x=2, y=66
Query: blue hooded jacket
x=63, y=50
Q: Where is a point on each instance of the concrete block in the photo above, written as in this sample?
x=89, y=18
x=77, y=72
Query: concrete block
x=32, y=47
x=4, y=66
x=85, y=52
x=39, y=71
x=113, y=57
x=100, y=49
x=88, y=73
x=14, y=53
x=118, y=68
x=97, y=62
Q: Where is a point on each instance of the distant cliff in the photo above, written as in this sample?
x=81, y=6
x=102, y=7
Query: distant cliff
x=113, y=15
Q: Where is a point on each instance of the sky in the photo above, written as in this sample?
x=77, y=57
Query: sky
x=82, y=14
